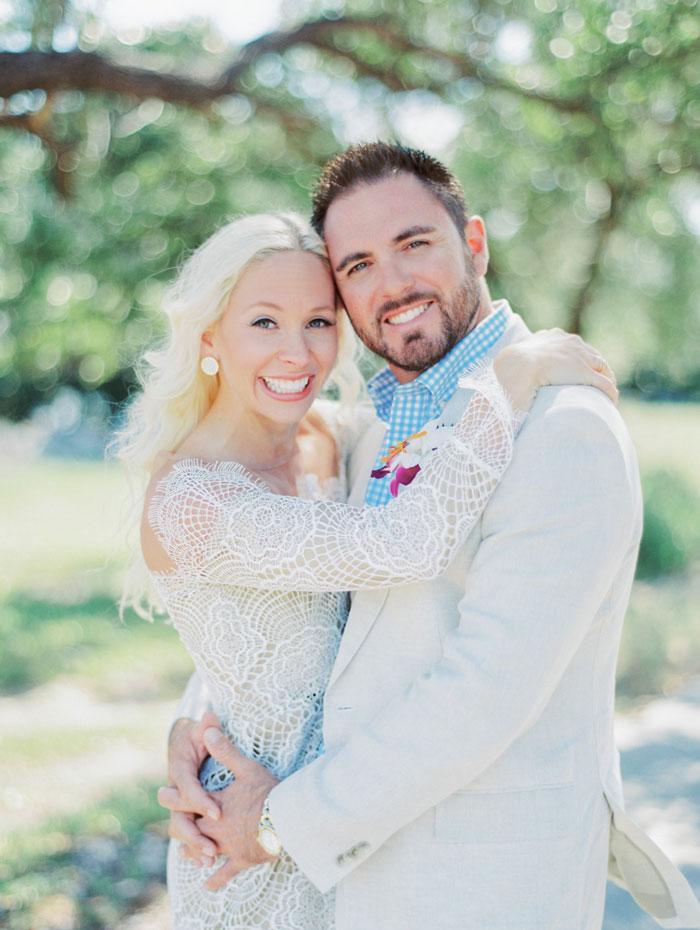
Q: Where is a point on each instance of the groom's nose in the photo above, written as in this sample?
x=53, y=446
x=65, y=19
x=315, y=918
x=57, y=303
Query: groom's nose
x=395, y=279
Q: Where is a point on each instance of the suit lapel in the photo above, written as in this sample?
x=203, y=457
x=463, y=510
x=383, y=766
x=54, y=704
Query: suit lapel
x=367, y=605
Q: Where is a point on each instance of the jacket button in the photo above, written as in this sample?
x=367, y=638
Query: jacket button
x=352, y=853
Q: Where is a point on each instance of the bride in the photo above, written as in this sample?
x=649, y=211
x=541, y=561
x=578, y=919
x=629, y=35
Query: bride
x=246, y=539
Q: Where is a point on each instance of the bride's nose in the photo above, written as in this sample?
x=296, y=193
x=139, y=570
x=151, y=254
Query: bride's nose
x=295, y=349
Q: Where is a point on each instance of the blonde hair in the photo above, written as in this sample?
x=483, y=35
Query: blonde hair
x=175, y=393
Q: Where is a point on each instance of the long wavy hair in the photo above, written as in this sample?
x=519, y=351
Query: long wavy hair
x=175, y=393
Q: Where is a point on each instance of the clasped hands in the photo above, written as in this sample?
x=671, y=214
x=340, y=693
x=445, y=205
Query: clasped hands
x=209, y=824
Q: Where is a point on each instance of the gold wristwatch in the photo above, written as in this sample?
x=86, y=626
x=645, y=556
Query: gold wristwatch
x=267, y=837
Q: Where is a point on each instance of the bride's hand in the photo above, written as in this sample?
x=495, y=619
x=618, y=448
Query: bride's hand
x=551, y=356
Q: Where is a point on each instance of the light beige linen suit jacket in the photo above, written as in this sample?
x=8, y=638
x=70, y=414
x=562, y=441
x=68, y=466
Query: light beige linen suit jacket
x=470, y=771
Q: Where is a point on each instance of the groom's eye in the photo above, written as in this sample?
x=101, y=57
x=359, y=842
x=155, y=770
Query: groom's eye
x=358, y=267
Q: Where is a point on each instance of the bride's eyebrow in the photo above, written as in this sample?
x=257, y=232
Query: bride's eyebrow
x=263, y=303
x=272, y=306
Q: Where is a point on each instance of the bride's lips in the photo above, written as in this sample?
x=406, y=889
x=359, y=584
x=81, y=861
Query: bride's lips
x=286, y=388
x=407, y=315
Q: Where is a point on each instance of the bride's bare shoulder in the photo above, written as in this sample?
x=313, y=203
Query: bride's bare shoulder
x=153, y=552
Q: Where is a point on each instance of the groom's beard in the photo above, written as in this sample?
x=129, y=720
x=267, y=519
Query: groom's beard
x=420, y=351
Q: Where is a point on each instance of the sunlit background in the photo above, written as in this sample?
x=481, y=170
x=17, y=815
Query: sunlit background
x=573, y=127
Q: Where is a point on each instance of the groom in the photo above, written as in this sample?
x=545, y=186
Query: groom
x=469, y=778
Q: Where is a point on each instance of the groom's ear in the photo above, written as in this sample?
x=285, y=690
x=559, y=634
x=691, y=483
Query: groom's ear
x=475, y=237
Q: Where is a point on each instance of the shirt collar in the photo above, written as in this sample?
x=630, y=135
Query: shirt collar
x=440, y=381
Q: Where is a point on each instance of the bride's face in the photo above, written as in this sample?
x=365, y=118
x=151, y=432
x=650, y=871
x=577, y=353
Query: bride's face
x=277, y=340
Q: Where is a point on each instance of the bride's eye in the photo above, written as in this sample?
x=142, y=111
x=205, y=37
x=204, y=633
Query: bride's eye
x=263, y=322
x=320, y=322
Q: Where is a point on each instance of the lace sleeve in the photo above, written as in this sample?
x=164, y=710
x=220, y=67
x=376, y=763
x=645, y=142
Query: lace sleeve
x=222, y=524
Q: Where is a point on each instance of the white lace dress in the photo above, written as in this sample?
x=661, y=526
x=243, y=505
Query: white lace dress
x=258, y=596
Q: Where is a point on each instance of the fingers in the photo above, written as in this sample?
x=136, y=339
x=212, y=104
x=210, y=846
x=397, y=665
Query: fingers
x=186, y=751
x=223, y=750
x=209, y=720
x=170, y=799
x=583, y=361
x=222, y=875
x=606, y=384
x=195, y=845
x=602, y=366
x=189, y=797
x=602, y=377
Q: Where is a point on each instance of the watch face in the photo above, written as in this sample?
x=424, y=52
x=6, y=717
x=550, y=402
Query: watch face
x=269, y=841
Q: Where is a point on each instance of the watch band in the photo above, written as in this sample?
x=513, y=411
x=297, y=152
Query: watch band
x=267, y=837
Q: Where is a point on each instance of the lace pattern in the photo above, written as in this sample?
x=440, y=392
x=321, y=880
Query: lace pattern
x=257, y=594
x=221, y=524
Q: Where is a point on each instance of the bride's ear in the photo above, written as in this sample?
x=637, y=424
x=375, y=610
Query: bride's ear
x=206, y=344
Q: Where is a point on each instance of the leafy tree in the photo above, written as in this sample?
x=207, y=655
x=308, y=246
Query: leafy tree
x=572, y=127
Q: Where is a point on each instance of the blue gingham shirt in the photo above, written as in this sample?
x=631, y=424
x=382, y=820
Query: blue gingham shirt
x=406, y=408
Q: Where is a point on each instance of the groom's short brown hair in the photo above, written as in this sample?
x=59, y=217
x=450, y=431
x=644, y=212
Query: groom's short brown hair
x=373, y=161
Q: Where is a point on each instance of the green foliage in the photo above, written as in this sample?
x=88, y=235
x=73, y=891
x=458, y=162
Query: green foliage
x=43, y=638
x=63, y=645
x=671, y=540
x=572, y=126
x=660, y=639
x=60, y=553
x=86, y=870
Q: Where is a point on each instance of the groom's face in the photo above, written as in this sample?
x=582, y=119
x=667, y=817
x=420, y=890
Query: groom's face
x=407, y=278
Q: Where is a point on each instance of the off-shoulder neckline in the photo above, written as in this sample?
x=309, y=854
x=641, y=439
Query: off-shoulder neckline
x=217, y=467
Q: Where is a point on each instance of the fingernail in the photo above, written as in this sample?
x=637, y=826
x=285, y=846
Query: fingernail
x=212, y=734
x=214, y=813
x=209, y=851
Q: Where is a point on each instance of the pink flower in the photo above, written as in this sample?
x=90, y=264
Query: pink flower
x=402, y=476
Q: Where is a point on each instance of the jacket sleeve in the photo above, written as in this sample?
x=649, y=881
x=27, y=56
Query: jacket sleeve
x=529, y=602
x=218, y=523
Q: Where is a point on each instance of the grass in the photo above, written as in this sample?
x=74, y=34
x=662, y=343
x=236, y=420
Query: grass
x=61, y=556
x=88, y=870
x=667, y=436
x=661, y=638
x=84, y=638
x=61, y=553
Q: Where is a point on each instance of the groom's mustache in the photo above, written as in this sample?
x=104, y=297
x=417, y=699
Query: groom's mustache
x=391, y=305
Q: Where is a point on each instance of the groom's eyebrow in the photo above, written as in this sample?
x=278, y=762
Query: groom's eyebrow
x=352, y=257
x=413, y=231
x=401, y=237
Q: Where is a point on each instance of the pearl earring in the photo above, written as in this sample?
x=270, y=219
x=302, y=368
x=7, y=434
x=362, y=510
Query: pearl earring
x=209, y=365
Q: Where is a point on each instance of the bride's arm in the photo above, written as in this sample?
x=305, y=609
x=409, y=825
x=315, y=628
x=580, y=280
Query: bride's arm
x=219, y=525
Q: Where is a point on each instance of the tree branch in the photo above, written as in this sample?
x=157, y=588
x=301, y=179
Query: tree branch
x=92, y=72
x=604, y=228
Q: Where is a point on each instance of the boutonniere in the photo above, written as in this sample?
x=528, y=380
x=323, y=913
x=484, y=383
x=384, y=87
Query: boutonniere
x=402, y=462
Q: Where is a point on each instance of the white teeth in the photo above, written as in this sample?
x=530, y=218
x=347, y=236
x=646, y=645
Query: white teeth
x=282, y=386
x=408, y=315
